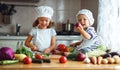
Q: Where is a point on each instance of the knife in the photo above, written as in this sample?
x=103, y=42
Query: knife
x=40, y=51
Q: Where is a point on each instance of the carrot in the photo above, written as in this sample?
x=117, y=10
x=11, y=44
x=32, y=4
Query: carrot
x=94, y=59
x=99, y=59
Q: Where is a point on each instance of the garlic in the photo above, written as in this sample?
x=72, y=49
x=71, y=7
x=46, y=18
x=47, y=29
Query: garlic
x=87, y=60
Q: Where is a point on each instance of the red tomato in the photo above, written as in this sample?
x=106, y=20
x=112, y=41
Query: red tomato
x=61, y=47
x=27, y=60
x=63, y=59
x=38, y=56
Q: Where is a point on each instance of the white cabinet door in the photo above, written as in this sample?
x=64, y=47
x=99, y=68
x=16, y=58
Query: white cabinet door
x=10, y=43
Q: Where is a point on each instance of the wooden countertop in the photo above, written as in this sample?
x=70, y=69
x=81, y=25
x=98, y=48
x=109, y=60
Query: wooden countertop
x=55, y=65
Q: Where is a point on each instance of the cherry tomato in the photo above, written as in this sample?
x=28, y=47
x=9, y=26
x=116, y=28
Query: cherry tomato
x=27, y=60
x=61, y=47
x=63, y=59
x=38, y=56
x=66, y=50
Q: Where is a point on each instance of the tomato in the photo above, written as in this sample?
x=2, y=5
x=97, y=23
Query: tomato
x=66, y=49
x=38, y=56
x=27, y=60
x=61, y=47
x=63, y=59
x=69, y=49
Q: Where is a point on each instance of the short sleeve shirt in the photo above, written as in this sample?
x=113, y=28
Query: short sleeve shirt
x=93, y=42
x=42, y=37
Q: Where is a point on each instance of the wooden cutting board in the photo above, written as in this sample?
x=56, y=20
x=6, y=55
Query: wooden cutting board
x=55, y=56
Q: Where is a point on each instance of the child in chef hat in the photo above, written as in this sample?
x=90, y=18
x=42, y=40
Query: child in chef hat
x=89, y=39
x=42, y=37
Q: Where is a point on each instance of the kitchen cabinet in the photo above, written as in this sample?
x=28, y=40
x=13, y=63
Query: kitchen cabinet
x=14, y=44
x=67, y=40
x=11, y=41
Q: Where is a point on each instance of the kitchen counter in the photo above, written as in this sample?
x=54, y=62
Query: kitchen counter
x=13, y=37
x=55, y=65
x=60, y=37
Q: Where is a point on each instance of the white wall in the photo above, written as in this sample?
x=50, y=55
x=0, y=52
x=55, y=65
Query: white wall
x=64, y=9
x=92, y=5
x=109, y=23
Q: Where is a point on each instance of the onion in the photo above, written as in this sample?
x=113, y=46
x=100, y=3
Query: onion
x=80, y=57
x=6, y=53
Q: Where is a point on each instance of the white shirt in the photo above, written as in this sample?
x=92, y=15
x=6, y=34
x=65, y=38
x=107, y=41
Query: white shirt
x=42, y=37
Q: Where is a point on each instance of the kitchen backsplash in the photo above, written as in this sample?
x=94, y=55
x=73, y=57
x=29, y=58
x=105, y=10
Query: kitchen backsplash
x=25, y=16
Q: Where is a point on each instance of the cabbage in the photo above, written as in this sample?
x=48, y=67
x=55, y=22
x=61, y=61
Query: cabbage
x=6, y=53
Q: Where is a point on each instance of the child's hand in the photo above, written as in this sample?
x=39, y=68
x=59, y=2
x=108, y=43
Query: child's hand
x=73, y=45
x=48, y=50
x=55, y=51
x=33, y=48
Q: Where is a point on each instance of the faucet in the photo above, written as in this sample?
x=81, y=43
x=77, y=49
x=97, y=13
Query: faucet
x=18, y=29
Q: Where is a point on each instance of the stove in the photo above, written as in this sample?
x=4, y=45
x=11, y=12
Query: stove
x=67, y=33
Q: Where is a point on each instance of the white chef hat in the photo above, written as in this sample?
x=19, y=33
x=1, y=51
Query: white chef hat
x=45, y=11
x=88, y=13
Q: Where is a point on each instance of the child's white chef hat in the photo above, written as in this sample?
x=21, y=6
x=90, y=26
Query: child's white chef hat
x=45, y=11
x=88, y=13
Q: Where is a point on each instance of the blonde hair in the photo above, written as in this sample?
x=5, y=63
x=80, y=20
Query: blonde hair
x=36, y=22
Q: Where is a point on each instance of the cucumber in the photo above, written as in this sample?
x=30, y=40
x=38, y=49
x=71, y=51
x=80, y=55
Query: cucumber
x=37, y=60
x=47, y=60
x=41, y=60
x=6, y=62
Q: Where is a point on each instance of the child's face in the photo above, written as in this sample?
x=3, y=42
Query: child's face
x=83, y=20
x=43, y=22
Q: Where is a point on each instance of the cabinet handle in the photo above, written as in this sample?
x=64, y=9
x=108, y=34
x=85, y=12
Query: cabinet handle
x=17, y=46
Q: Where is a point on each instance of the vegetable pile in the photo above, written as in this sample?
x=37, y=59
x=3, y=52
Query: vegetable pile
x=61, y=48
x=27, y=57
x=24, y=50
x=102, y=55
x=64, y=48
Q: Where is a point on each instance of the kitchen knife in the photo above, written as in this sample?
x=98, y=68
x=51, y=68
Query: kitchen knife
x=40, y=51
